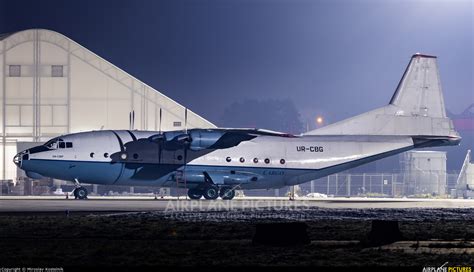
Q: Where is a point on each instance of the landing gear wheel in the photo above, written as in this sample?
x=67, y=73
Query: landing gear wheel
x=211, y=192
x=80, y=193
x=194, y=193
x=227, y=193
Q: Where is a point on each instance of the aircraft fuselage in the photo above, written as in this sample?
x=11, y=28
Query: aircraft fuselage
x=266, y=161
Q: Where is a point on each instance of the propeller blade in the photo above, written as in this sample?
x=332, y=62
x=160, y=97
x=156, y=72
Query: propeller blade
x=183, y=138
x=133, y=119
x=186, y=144
x=186, y=120
x=157, y=138
x=161, y=115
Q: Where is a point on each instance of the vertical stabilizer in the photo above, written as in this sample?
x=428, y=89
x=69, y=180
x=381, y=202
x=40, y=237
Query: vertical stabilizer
x=416, y=108
x=419, y=91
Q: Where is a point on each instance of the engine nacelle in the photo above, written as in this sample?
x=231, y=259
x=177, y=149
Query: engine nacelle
x=200, y=139
x=204, y=139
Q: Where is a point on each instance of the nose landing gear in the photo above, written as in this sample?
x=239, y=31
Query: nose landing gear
x=79, y=192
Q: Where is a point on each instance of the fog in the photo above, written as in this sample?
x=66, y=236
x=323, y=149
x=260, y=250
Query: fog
x=329, y=58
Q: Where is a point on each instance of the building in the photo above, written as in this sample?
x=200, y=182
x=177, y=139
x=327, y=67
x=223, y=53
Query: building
x=424, y=172
x=51, y=85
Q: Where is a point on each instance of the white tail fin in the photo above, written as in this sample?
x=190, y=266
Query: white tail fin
x=419, y=91
x=416, y=108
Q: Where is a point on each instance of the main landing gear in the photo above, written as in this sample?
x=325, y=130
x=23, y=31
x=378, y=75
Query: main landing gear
x=227, y=193
x=209, y=190
x=212, y=192
x=79, y=192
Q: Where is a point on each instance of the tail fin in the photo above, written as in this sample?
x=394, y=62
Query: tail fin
x=416, y=108
x=419, y=91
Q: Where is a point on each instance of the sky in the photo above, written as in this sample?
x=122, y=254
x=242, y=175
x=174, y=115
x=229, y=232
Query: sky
x=331, y=58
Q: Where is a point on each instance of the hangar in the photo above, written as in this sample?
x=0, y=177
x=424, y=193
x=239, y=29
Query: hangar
x=51, y=85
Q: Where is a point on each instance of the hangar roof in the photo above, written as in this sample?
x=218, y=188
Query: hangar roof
x=4, y=35
x=106, y=67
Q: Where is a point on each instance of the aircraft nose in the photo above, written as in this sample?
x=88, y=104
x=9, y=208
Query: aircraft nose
x=18, y=159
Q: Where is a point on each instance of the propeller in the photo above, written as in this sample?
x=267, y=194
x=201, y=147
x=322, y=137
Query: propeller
x=186, y=139
x=161, y=115
x=132, y=120
x=161, y=135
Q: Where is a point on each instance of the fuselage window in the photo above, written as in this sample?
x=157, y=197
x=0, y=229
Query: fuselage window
x=242, y=159
x=255, y=160
x=267, y=160
x=92, y=155
x=282, y=161
x=106, y=155
x=228, y=159
x=135, y=156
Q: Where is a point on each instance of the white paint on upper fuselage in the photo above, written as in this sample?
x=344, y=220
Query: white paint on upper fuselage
x=319, y=151
x=335, y=150
x=101, y=143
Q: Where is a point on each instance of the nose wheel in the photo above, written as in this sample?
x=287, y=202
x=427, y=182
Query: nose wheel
x=80, y=193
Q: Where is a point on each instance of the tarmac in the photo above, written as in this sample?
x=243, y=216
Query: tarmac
x=33, y=204
x=126, y=231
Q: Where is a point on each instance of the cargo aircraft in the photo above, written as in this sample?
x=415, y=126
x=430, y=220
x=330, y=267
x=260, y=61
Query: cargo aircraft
x=214, y=162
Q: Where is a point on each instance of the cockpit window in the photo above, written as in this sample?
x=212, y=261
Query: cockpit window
x=57, y=143
x=52, y=144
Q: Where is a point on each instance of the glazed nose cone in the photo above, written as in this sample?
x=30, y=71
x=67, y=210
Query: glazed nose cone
x=20, y=157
